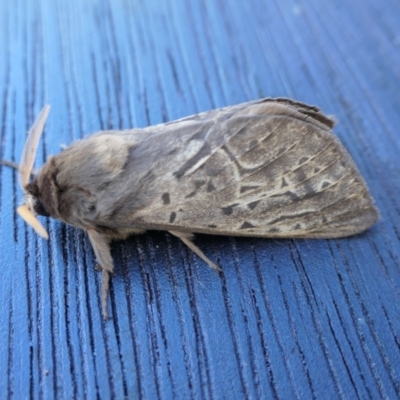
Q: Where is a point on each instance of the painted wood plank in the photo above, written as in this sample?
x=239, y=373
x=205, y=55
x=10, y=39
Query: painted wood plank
x=287, y=318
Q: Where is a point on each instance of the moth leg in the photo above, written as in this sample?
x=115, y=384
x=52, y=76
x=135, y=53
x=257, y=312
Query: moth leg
x=187, y=239
x=101, y=247
x=14, y=165
x=11, y=164
x=98, y=267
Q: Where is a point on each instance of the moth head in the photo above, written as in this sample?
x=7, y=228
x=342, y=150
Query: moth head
x=32, y=204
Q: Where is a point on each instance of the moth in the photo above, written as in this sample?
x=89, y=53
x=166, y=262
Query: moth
x=269, y=168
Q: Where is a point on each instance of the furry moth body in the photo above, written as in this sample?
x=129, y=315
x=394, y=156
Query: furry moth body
x=269, y=168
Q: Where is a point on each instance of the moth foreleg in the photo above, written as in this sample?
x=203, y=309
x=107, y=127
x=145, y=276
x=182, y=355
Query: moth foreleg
x=187, y=239
x=14, y=165
x=101, y=247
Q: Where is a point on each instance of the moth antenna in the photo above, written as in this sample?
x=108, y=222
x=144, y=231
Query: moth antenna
x=31, y=144
x=27, y=215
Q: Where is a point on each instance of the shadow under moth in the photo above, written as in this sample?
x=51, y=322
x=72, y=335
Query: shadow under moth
x=268, y=168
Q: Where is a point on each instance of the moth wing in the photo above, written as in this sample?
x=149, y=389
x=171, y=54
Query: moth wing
x=268, y=169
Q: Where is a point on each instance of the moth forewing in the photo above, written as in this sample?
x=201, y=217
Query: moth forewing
x=267, y=168
x=274, y=175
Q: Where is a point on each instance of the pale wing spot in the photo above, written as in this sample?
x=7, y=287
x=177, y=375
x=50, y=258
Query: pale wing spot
x=195, y=152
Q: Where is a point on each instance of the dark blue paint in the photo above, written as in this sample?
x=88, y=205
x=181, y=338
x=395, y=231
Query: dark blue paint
x=286, y=319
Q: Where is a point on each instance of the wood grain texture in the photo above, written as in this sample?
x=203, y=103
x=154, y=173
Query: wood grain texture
x=287, y=318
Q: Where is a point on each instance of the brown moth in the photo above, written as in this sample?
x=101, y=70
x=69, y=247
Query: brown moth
x=269, y=168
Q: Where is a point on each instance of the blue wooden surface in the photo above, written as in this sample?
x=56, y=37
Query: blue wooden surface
x=288, y=319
